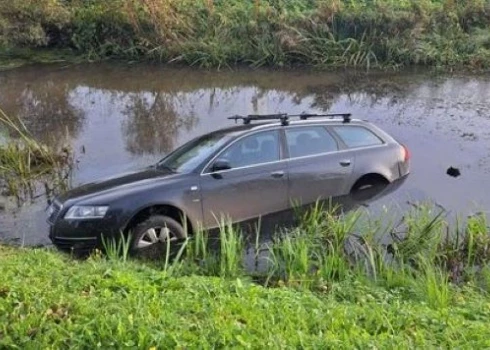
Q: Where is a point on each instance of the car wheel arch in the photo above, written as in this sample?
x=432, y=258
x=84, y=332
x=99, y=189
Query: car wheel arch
x=369, y=177
x=169, y=210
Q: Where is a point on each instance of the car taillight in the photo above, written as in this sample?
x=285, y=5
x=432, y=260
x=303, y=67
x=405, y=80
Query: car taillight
x=406, y=153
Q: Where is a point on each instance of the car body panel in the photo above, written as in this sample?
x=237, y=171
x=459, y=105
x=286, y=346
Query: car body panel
x=244, y=193
x=376, y=160
x=318, y=177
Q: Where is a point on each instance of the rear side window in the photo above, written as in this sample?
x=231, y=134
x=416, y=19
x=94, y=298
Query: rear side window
x=307, y=141
x=255, y=149
x=357, y=136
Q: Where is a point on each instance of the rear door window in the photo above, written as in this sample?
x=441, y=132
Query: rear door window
x=311, y=140
x=357, y=136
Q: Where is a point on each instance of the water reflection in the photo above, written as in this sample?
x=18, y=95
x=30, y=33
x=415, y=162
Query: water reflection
x=45, y=108
x=158, y=104
x=153, y=123
x=358, y=91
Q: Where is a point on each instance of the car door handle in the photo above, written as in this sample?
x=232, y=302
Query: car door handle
x=277, y=174
x=345, y=162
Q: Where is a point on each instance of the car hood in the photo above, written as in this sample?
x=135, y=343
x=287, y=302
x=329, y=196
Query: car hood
x=124, y=182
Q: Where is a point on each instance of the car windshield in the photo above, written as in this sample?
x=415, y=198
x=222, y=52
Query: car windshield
x=190, y=155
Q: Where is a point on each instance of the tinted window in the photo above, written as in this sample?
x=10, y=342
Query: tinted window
x=254, y=149
x=306, y=141
x=357, y=136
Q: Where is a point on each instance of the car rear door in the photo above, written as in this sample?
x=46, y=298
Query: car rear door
x=318, y=168
x=255, y=185
x=373, y=154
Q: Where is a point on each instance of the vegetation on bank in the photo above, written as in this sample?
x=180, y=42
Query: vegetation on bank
x=26, y=165
x=361, y=33
x=317, y=287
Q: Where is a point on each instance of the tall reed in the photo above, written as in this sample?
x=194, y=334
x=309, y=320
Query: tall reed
x=329, y=246
x=25, y=163
x=218, y=252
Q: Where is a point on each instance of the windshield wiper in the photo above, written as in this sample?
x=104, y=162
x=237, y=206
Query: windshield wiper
x=165, y=167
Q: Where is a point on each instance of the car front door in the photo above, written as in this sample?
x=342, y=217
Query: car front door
x=318, y=168
x=251, y=181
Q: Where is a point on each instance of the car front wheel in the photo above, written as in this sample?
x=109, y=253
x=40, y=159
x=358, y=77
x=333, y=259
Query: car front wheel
x=152, y=234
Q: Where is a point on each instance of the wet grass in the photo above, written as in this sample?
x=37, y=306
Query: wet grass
x=27, y=165
x=317, y=291
x=214, y=33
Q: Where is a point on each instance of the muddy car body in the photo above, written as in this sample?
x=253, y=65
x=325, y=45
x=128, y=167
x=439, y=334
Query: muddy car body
x=243, y=172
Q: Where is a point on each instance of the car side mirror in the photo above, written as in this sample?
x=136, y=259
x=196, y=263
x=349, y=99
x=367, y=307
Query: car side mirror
x=221, y=164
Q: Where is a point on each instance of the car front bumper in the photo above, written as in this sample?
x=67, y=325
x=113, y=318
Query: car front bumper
x=80, y=234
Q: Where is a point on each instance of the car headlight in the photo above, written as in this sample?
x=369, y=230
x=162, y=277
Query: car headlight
x=86, y=212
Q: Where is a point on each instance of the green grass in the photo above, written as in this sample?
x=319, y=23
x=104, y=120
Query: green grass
x=322, y=288
x=48, y=300
x=217, y=33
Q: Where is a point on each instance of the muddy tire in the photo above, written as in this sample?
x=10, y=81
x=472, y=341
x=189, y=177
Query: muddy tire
x=149, y=237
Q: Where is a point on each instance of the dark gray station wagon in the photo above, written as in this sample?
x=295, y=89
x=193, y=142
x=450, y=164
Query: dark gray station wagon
x=243, y=172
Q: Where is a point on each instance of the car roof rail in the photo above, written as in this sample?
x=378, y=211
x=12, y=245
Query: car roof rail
x=284, y=117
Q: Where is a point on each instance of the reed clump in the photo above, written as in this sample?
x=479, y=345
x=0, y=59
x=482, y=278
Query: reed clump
x=27, y=166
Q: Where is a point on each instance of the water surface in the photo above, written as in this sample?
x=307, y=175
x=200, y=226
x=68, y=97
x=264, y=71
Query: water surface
x=120, y=117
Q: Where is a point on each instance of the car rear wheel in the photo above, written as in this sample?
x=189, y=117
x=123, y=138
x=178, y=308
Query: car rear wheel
x=367, y=188
x=151, y=235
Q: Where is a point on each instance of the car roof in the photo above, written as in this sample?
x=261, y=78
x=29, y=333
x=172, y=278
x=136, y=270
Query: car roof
x=243, y=128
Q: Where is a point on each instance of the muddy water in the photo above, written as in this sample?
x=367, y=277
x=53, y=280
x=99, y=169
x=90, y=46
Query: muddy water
x=119, y=117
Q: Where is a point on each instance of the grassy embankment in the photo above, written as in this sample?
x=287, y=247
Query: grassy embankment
x=319, y=289
x=214, y=33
